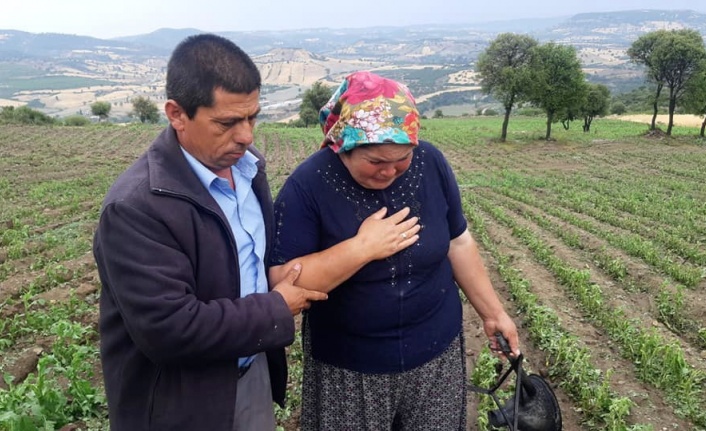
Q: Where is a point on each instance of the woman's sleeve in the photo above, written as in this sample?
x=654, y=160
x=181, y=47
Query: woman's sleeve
x=297, y=223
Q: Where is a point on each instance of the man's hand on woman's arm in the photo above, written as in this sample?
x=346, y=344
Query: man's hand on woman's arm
x=297, y=298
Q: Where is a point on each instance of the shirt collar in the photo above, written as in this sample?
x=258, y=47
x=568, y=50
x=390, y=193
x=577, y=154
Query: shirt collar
x=247, y=166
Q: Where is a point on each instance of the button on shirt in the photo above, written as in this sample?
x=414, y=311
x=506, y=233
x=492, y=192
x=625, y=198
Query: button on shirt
x=244, y=215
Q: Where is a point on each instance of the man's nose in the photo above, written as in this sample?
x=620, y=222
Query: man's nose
x=243, y=132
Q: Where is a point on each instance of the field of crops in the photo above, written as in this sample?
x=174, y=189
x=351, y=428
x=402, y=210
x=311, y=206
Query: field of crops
x=596, y=243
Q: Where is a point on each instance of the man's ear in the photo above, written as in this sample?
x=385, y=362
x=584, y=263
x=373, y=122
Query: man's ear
x=176, y=115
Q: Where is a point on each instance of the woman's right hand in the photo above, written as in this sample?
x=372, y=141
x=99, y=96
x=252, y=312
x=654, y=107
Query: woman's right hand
x=381, y=236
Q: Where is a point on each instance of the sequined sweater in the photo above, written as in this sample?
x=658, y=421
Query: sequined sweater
x=394, y=314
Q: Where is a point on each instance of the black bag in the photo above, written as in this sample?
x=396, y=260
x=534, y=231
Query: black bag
x=534, y=406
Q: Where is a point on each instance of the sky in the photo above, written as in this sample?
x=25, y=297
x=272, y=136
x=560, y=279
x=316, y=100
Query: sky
x=106, y=19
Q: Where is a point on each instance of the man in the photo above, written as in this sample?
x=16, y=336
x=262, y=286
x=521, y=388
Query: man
x=191, y=338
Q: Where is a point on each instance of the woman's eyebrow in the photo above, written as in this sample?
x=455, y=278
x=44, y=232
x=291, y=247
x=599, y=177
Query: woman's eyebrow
x=377, y=159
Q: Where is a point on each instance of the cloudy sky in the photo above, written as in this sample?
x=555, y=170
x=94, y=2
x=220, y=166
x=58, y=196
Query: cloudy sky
x=129, y=17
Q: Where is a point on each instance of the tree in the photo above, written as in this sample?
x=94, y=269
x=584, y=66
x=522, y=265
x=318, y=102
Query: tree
x=679, y=56
x=597, y=104
x=695, y=96
x=145, y=109
x=312, y=101
x=641, y=52
x=671, y=58
x=101, y=109
x=504, y=70
x=307, y=115
x=438, y=114
x=569, y=113
x=557, y=82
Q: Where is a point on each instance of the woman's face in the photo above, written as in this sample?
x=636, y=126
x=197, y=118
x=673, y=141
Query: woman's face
x=377, y=166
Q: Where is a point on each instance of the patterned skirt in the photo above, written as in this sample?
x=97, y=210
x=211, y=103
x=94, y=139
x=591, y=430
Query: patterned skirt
x=429, y=397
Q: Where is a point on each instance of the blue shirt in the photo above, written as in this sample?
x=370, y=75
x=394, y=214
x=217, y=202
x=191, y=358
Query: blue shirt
x=244, y=215
x=393, y=314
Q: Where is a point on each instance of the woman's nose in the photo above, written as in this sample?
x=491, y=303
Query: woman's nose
x=388, y=171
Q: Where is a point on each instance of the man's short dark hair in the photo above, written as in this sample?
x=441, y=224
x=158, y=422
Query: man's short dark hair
x=202, y=63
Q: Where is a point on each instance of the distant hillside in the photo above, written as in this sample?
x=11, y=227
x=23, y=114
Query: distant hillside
x=620, y=29
x=19, y=45
x=63, y=74
x=399, y=43
x=164, y=38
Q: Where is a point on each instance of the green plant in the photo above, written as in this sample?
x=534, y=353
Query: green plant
x=76, y=120
x=670, y=305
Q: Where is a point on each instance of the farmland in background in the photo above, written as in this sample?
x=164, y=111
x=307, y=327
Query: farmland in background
x=596, y=243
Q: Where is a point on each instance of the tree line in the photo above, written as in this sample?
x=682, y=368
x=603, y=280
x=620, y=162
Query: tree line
x=516, y=70
x=674, y=61
x=143, y=109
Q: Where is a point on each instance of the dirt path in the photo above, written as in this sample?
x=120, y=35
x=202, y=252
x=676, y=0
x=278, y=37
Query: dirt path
x=679, y=119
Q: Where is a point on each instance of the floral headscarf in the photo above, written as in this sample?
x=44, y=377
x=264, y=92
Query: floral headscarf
x=369, y=109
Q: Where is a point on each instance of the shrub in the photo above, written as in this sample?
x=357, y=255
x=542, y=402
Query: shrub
x=24, y=115
x=618, y=108
x=76, y=120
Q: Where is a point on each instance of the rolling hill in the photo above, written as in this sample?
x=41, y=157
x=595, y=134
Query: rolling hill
x=63, y=74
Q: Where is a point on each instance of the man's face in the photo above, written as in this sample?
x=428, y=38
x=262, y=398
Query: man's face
x=218, y=136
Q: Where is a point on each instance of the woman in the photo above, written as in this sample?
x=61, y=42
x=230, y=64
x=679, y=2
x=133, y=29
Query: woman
x=386, y=350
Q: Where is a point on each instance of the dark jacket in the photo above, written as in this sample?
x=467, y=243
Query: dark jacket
x=172, y=323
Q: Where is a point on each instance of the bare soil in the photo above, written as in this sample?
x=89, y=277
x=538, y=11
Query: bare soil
x=663, y=120
x=650, y=407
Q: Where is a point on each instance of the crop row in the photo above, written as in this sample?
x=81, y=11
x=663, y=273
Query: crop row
x=657, y=361
x=671, y=306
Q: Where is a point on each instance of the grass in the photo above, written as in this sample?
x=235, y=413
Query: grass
x=52, y=181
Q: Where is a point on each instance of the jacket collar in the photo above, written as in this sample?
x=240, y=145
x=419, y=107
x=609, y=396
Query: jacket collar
x=168, y=169
x=170, y=173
